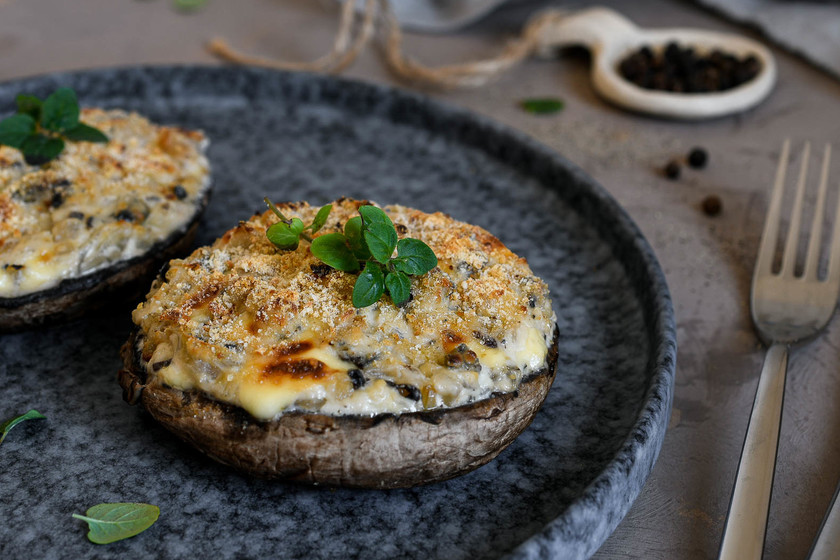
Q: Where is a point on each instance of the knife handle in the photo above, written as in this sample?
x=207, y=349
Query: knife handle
x=827, y=545
x=746, y=522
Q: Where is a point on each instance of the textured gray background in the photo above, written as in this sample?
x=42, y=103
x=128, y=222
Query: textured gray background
x=708, y=262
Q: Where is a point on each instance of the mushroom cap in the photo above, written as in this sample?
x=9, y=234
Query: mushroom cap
x=380, y=451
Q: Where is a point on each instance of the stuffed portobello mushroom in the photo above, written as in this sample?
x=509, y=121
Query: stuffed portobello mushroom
x=98, y=219
x=258, y=357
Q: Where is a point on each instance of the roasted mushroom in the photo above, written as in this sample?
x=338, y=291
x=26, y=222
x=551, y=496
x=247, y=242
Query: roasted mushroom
x=98, y=220
x=243, y=352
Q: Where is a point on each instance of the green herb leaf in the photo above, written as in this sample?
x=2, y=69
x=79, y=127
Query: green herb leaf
x=370, y=285
x=297, y=226
x=60, y=111
x=353, y=233
x=542, y=105
x=38, y=148
x=379, y=233
x=282, y=235
x=114, y=522
x=29, y=105
x=189, y=5
x=399, y=287
x=332, y=248
x=12, y=422
x=16, y=129
x=84, y=133
x=414, y=257
x=320, y=218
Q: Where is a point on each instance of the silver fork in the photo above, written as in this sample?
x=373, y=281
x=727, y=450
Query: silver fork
x=785, y=309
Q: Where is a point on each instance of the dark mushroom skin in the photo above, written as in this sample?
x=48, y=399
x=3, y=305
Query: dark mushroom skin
x=381, y=451
x=74, y=297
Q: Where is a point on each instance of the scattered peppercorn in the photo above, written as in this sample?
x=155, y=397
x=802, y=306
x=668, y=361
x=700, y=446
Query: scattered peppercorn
x=712, y=205
x=682, y=70
x=179, y=192
x=672, y=170
x=697, y=158
x=76, y=215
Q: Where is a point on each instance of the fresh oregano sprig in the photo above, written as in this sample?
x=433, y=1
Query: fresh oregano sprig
x=39, y=129
x=367, y=245
x=286, y=233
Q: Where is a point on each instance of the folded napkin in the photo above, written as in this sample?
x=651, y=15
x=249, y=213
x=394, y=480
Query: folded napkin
x=810, y=29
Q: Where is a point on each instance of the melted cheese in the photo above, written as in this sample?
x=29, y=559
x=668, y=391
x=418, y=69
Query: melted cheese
x=273, y=331
x=96, y=204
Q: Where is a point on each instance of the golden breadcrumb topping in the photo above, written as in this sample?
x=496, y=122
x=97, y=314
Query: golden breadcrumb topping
x=273, y=330
x=97, y=203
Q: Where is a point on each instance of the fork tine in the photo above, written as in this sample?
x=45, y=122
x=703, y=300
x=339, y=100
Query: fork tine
x=834, y=254
x=796, y=215
x=813, y=260
x=769, y=236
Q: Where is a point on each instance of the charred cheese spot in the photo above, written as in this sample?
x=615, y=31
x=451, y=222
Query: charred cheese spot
x=304, y=368
x=274, y=331
x=97, y=204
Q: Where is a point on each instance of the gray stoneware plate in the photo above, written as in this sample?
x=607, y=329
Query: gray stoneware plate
x=558, y=491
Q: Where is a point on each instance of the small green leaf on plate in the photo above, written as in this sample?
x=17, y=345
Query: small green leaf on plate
x=379, y=233
x=60, y=111
x=84, y=133
x=189, y=5
x=333, y=250
x=399, y=287
x=320, y=218
x=16, y=129
x=282, y=235
x=12, y=422
x=114, y=522
x=542, y=105
x=414, y=257
x=29, y=105
x=370, y=285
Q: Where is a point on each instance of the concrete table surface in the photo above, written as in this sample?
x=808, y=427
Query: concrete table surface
x=707, y=260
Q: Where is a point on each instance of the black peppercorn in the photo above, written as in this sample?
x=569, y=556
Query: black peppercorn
x=697, y=158
x=712, y=205
x=680, y=69
x=672, y=170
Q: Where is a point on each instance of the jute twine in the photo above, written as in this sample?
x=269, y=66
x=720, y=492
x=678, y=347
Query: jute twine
x=356, y=30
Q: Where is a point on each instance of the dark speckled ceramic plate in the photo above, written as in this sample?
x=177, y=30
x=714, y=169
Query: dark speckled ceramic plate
x=557, y=491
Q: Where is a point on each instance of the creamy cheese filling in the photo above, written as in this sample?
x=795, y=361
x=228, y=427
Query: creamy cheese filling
x=96, y=204
x=495, y=370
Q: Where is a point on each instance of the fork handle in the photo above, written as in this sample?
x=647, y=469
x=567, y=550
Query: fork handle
x=827, y=545
x=746, y=522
